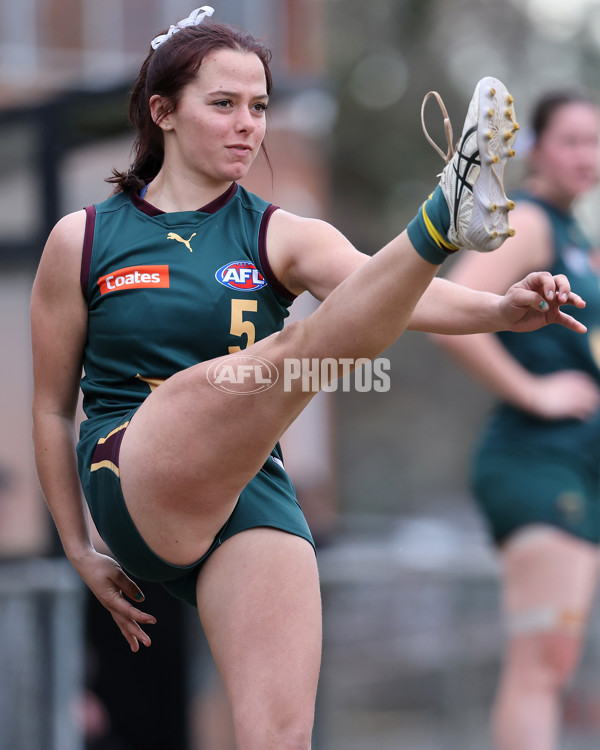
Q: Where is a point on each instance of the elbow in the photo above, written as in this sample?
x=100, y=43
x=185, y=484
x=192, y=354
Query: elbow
x=45, y=416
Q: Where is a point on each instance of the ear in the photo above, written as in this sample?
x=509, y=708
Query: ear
x=160, y=111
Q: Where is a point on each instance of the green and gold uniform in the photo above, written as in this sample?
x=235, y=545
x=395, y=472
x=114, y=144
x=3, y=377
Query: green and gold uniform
x=166, y=291
x=535, y=471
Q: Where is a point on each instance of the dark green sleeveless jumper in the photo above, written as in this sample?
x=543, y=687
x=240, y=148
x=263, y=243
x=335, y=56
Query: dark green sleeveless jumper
x=529, y=470
x=166, y=291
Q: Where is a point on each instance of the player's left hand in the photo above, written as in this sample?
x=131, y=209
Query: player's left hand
x=535, y=302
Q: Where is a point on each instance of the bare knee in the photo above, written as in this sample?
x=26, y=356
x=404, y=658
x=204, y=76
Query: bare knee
x=546, y=660
x=560, y=656
x=273, y=730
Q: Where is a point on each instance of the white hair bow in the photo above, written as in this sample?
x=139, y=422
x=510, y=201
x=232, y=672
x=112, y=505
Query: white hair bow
x=194, y=19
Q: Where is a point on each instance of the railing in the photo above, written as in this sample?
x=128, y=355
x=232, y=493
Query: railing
x=41, y=655
x=414, y=639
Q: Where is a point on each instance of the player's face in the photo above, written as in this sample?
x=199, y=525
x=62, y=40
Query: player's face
x=568, y=151
x=220, y=120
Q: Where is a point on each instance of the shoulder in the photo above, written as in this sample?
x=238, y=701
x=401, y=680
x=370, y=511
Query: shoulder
x=294, y=238
x=300, y=231
x=309, y=254
x=250, y=201
x=113, y=203
x=67, y=235
x=61, y=258
x=530, y=217
x=534, y=234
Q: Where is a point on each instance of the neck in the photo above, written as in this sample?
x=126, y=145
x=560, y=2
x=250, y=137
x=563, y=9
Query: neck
x=172, y=193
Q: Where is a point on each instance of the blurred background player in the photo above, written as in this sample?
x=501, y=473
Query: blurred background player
x=536, y=473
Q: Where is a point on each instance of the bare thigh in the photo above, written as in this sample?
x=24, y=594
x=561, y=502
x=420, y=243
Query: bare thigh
x=190, y=450
x=546, y=570
x=260, y=606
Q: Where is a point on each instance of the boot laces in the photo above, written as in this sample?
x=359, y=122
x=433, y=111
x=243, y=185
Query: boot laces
x=446, y=156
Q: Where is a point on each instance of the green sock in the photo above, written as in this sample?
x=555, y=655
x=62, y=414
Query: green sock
x=427, y=231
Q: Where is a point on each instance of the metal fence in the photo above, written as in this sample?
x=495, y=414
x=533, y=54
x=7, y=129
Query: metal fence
x=41, y=655
x=414, y=638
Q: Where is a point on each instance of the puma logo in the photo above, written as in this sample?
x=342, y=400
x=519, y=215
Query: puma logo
x=175, y=236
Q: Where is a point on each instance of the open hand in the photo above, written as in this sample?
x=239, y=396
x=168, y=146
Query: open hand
x=536, y=301
x=110, y=585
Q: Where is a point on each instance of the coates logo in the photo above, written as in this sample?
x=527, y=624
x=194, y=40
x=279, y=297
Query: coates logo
x=240, y=275
x=243, y=374
x=135, y=277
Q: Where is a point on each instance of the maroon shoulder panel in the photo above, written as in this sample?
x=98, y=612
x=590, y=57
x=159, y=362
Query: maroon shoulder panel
x=264, y=259
x=86, y=255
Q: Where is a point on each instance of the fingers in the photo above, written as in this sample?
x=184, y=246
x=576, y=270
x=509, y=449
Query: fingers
x=548, y=293
x=126, y=616
x=132, y=632
x=571, y=323
x=124, y=609
x=557, y=287
x=536, y=301
x=554, y=287
x=111, y=584
x=534, y=298
x=562, y=287
x=127, y=586
x=565, y=296
x=576, y=300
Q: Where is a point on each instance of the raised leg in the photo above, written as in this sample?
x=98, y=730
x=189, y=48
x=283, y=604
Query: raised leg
x=190, y=449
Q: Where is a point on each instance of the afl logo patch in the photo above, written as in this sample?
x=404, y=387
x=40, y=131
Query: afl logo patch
x=240, y=275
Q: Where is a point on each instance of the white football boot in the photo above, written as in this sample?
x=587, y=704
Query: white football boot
x=472, y=181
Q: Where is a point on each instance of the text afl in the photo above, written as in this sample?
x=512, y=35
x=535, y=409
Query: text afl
x=135, y=277
x=241, y=275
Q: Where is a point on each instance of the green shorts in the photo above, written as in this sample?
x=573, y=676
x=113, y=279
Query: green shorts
x=268, y=499
x=521, y=487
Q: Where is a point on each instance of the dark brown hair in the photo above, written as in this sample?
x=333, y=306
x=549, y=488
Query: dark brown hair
x=166, y=71
x=547, y=106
